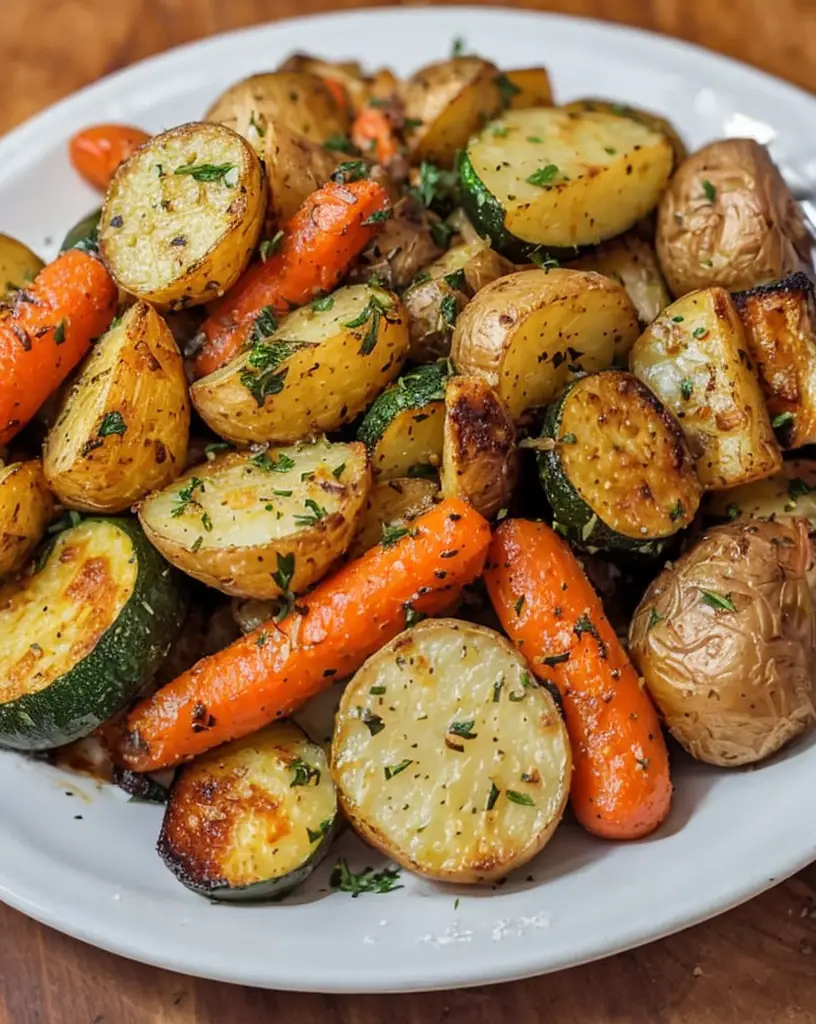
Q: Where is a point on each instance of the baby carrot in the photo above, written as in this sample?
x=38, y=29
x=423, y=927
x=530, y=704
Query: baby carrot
x=97, y=151
x=372, y=134
x=273, y=670
x=332, y=227
x=48, y=330
x=620, y=786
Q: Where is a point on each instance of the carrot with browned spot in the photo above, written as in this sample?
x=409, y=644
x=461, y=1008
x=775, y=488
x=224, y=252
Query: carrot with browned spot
x=621, y=787
x=276, y=668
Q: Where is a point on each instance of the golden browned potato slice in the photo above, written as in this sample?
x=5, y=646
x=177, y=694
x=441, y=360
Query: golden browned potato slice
x=724, y=641
x=319, y=370
x=530, y=333
x=390, y=507
x=653, y=121
x=18, y=266
x=790, y=494
x=729, y=219
x=448, y=756
x=529, y=87
x=26, y=506
x=298, y=100
x=123, y=427
x=780, y=328
x=632, y=262
x=446, y=103
x=442, y=291
x=261, y=525
x=295, y=167
x=694, y=357
x=479, y=456
x=182, y=215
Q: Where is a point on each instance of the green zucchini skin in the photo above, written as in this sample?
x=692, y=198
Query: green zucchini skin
x=114, y=671
x=413, y=390
x=573, y=517
x=191, y=851
x=84, y=234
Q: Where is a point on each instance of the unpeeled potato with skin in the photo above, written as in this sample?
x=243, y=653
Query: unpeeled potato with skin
x=724, y=639
x=728, y=218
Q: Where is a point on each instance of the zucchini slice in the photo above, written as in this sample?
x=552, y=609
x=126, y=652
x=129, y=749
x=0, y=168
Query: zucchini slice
x=83, y=632
x=263, y=524
x=392, y=504
x=620, y=476
x=479, y=455
x=556, y=179
x=403, y=428
x=252, y=819
x=448, y=756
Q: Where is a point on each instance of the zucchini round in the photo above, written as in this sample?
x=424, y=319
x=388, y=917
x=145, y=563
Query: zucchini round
x=403, y=428
x=620, y=475
x=250, y=820
x=82, y=633
x=84, y=234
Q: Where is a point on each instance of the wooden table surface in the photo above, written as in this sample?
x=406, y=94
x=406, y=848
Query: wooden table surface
x=754, y=965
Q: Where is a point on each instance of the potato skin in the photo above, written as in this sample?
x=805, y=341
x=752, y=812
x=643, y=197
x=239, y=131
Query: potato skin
x=26, y=506
x=748, y=231
x=97, y=462
x=295, y=167
x=733, y=686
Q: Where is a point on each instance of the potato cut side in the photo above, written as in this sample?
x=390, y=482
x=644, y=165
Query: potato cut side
x=183, y=214
x=789, y=494
x=632, y=262
x=391, y=505
x=295, y=167
x=264, y=524
x=479, y=455
x=318, y=371
x=63, y=610
x=654, y=121
x=122, y=429
x=530, y=333
x=448, y=756
x=570, y=178
x=694, y=357
x=26, y=506
x=530, y=87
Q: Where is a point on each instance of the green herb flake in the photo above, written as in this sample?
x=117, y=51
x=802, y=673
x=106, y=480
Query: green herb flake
x=323, y=304
x=59, y=332
x=507, y=90
x=543, y=260
x=686, y=387
x=544, y=176
x=350, y=170
x=367, y=880
x=186, y=497
x=112, y=423
x=376, y=691
x=497, y=689
x=520, y=798
x=259, y=129
x=392, y=533
x=719, y=601
x=456, y=280
x=197, y=543
x=208, y=172
x=267, y=247
x=448, y=310
x=798, y=488
x=457, y=47
x=262, y=375
x=206, y=522
x=390, y=770
x=338, y=471
x=676, y=511
x=340, y=143
x=315, y=514
x=320, y=831
x=654, y=618
x=493, y=796
x=782, y=419
x=699, y=332
x=285, y=571
x=211, y=450
x=372, y=313
x=678, y=319
x=610, y=150
x=373, y=722
x=568, y=439
x=303, y=773
x=379, y=216
x=709, y=191
x=412, y=616
x=499, y=130
x=280, y=464
x=733, y=511
x=463, y=729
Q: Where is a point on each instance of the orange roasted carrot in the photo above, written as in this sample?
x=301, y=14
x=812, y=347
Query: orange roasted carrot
x=273, y=670
x=332, y=227
x=48, y=330
x=97, y=151
x=372, y=133
x=620, y=786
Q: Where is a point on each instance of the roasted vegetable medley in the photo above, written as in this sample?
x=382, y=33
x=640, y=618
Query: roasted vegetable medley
x=470, y=409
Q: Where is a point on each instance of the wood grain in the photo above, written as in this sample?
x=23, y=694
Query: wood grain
x=754, y=965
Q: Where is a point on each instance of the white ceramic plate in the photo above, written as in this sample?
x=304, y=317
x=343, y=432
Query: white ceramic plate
x=81, y=859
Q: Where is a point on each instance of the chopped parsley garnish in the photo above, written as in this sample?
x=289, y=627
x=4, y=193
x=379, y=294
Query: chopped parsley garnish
x=686, y=387
x=376, y=691
x=373, y=722
x=261, y=376
x=282, y=464
x=209, y=172
x=507, y=90
x=781, y=420
x=463, y=729
x=212, y=449
x=719, y=601
x=186, y=497
x=544, y=176
x=323, y=304
x=206, y=521
x=654, y=618
x=568, y=438
x=733, y=511
x=610, y=150
x=197, y=543
x=112, y=423
x=267, y=247
x=390, y=770
x=259, y=128
x=338, y=471
x=534, y=139
x=499, y=130
x=59, y=333
x=543, y=260
x=497, y=689
x=457, y=47
x=699, y=332
x=315, y=514
x=320, y=831
x=493, y=797
x=379, y=216
x=350, y=170
x=340, y=143
x=412, y=616
x=285, y=572
x=372, y=314
x=676, y=511
x=678, y=319
x=303, y=773
x=448, y=310
x=391, y=534
x=367, y=880
x=435, y=184
x=456, y=280
x=520, y=798
x=709, y=191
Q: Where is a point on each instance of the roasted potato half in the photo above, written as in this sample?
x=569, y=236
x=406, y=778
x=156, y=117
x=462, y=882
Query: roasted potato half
x=728, y=218
x=790, y=494
x=448, y=756
x=694, y=357
x=320, y=370
x=295, y=167
x=26, y=506
x=442, y=291
x=528, y=334
x=724, y=641
x=446, y=103
x=780, y=328
x=390, y=506
x=632, y=262
x=18, y=266
x=298, y=100
x=123, y=426
x=182, y=215
x=479, y=455
x=261, y=525
x=653, y=121
x=346, y=75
